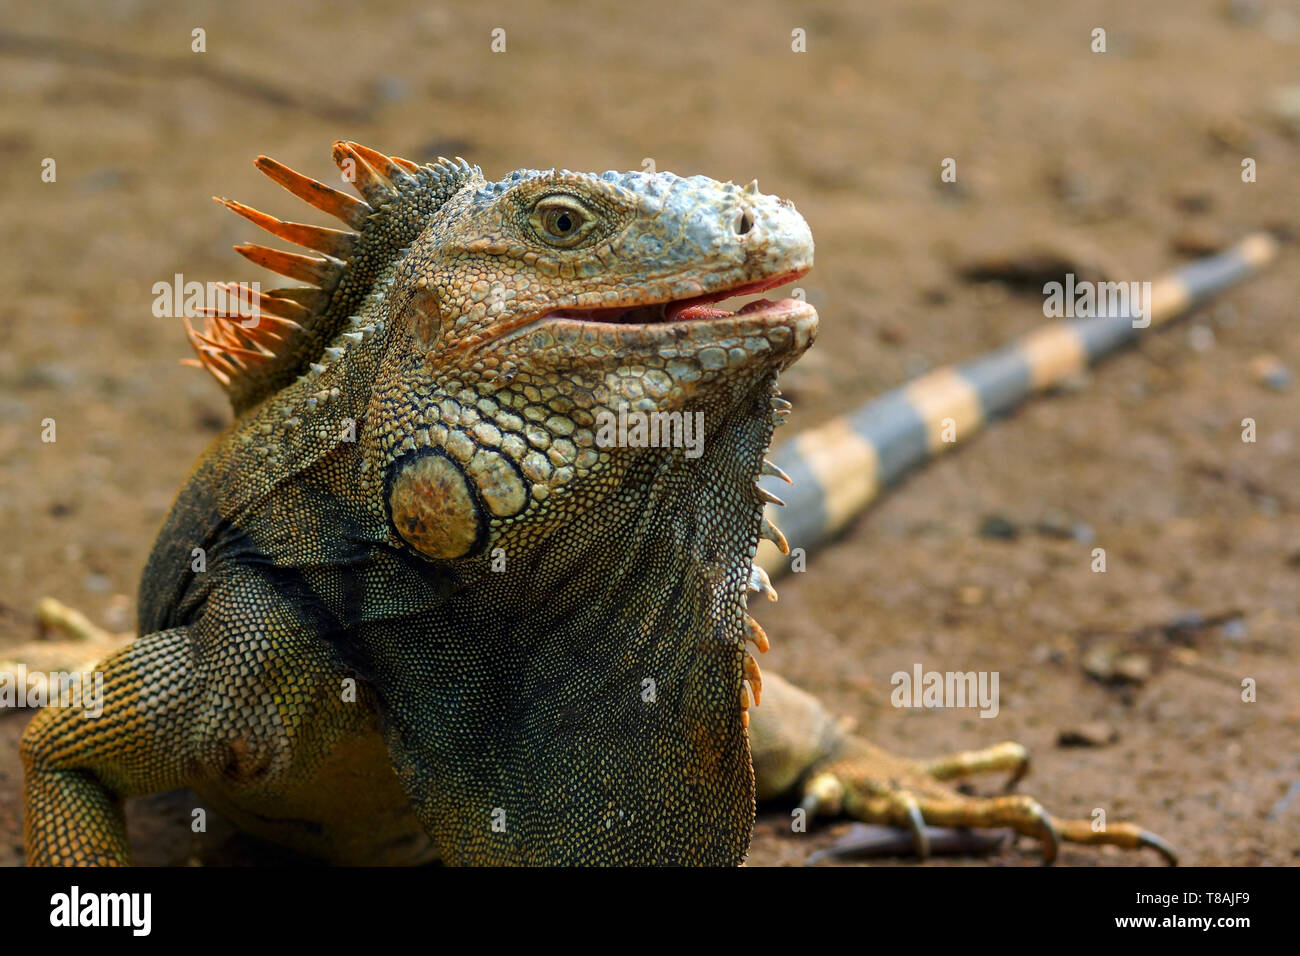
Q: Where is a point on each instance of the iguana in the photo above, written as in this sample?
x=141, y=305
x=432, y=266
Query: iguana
x=440, y=614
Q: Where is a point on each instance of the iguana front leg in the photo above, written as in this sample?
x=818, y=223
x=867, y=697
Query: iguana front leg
x=79, y=765
x=799, y=748
x=247, y=706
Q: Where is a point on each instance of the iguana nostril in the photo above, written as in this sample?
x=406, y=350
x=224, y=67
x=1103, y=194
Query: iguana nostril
x=744, y=223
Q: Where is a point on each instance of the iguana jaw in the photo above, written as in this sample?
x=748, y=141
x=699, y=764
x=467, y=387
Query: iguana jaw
x=694, y=309
x=675, y=315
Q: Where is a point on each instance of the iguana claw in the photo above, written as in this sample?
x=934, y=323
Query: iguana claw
x=873, y=786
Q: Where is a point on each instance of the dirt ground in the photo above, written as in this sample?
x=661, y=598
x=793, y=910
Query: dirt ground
x=1127, y=161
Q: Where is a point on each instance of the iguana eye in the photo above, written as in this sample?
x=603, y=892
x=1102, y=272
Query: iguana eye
x=561, y=221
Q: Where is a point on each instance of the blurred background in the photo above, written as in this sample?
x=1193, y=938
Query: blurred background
x=1120, y=163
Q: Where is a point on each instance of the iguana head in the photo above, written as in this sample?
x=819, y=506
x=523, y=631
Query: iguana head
x=550, y=307
x=559, y=433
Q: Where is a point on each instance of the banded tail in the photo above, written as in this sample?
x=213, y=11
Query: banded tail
x=838, y=469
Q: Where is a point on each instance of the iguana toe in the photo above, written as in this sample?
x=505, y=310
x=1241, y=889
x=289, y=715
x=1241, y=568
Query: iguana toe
x=870, y=785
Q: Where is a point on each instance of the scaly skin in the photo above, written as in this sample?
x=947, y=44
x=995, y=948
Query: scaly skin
x=437, y=616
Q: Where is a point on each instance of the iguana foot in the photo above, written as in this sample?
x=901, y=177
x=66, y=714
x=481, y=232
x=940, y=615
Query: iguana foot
x=54, y=615
x=874, y=786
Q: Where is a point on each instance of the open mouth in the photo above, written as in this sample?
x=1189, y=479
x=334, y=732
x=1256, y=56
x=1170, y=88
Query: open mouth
x=695, y=309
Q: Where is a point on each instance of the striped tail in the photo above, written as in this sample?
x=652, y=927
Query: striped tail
x=840, y=467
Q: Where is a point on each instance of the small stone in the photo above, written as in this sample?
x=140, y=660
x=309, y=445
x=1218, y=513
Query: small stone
x=1093, y=734
x=1055, y=524
x=1134, y=668
x=1098, y=661
x=1268, y=371
x=999, y=526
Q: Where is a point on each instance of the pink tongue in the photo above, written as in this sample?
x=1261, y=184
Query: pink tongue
x=696, y=312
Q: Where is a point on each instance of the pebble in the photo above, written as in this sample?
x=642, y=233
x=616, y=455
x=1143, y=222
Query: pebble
x=1093, y=734
x=1099, y=660
x=1056, y=525
x=1134, y=668
x=1107, y=661
x=999, y=526
x=1268, y=371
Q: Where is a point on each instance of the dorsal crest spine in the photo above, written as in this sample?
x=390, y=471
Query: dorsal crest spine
x=265, y=341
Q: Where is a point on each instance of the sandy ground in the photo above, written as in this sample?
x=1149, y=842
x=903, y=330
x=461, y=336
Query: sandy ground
x=1125, y=161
